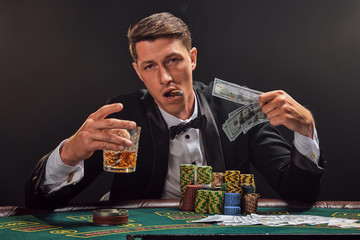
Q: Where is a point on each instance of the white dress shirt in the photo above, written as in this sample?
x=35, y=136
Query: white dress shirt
x=185, y=148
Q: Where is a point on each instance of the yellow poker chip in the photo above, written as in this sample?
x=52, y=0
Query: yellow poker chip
x=232, y=176
x=202, y=201
x=247, y=178
x=216, y=202
x=203, y=174
x=187, y=177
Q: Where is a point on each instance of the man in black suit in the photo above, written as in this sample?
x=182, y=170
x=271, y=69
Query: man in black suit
x=164, y=60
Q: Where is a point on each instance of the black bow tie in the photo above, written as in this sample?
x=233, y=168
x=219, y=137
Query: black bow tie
x=199, y=123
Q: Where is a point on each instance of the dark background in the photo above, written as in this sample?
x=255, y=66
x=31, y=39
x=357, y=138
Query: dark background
x=61, y=60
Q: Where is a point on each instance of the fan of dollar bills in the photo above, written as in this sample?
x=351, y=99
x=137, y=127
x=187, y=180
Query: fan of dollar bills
x=247, y=116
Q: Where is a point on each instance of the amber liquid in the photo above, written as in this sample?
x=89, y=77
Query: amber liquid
x=120, y=161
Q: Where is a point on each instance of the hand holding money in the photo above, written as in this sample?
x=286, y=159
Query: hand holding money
x=276, y=106
x=240, y=120
x=281, y=109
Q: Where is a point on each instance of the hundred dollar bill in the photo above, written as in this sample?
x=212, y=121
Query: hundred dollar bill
x=233, y=113
x=277, y=220
x=242, y=120
x=234, y=92
x=232, y=126
x=235, y=121
x=254, y=116
x=225, y=128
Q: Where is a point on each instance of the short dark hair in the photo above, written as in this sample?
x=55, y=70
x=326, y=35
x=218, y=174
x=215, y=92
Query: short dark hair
x=159, y=25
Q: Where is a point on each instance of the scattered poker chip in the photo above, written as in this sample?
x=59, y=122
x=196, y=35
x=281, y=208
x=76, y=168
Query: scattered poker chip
x=232, y=199
x=188, y=203
x=224, y=187
x=232, y=210
x=112, y=216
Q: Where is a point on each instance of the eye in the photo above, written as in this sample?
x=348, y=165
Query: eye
x=174, y=60
x=149, y=66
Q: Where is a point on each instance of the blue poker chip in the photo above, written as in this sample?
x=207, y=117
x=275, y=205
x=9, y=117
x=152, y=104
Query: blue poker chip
x=232, y=199
x=232, y=210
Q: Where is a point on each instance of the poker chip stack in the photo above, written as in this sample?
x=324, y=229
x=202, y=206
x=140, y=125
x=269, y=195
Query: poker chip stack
x=217, y=179
x=232, y=182
x=202, y=201
x=250, y=203
x=250, y=198
x=232, y=186
x=237, y=195
x=187, y=176
x=232, y=176
x=247, y=178
x=204, y=175
x=188, y=203
x=232, y=204
x=248, y=183
x=216, y=202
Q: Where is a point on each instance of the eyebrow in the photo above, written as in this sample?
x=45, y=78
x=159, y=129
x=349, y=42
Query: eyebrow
x=173, y=55
x=166, y=57
x=146, y=62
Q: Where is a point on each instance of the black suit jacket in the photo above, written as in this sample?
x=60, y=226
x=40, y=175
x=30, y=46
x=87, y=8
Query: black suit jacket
x=291, y=174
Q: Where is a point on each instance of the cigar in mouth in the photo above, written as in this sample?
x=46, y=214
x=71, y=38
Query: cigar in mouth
x=174, y=93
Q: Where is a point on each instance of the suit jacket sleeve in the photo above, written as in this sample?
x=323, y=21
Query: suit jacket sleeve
x=36, y=198
x=291, y=174
x=93, y=167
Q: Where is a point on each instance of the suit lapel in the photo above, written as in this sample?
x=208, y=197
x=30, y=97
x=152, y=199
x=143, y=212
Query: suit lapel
x=210, y=136
x=160, y=140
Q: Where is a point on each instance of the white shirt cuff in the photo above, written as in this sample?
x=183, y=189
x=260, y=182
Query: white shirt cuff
x=58, y=174
x=307, y=146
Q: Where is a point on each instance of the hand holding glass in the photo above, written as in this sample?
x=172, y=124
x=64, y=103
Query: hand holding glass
x=123, y=161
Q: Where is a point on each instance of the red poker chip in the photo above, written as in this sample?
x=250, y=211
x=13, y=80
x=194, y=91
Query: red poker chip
x=189, y=197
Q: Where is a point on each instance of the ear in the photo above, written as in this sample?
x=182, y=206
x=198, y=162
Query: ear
x=135, y=66
x=193, y=57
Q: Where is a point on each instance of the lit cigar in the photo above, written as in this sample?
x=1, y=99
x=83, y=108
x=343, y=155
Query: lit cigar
x=174, y=93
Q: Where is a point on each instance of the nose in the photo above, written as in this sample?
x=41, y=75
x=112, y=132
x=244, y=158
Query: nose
x=165, y=76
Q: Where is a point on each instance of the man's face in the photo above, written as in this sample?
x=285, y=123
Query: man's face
x=165, y=65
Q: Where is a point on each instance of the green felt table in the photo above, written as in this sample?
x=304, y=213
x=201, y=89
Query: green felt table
x=166, y=222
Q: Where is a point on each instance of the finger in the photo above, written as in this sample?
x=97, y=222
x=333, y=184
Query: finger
x=112, y=123
x=99, y=145
x=110, y=138
x=106, y=110
x=273, y=113
x=120, y=132
x=268, y=107
x=276, y=120
x=266, y=97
